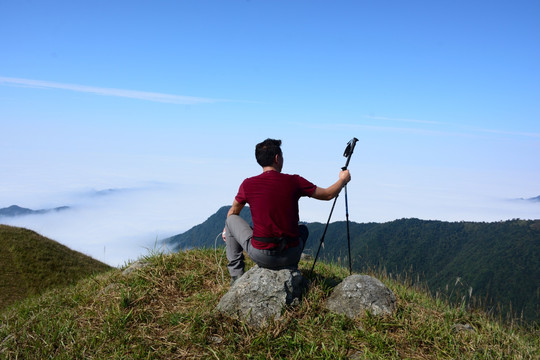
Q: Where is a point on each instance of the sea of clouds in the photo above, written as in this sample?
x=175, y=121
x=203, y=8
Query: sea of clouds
x=119, y=225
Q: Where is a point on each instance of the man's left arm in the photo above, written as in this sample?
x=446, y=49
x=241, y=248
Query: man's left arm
x=333, y=190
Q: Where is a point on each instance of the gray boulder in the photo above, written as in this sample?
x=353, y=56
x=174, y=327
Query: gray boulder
x=463, y=328
x=132, y=268
x=357, y=294
x=260, y=295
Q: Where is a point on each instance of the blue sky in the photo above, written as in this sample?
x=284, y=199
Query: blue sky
x=165, y=101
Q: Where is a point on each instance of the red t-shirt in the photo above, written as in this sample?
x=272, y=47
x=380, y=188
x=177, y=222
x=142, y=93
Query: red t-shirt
x=273, y=201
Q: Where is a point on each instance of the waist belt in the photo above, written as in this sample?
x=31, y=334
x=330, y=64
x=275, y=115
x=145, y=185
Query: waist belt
x=281, y=241
x=275, y=240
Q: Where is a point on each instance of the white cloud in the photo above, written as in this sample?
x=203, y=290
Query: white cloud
x=512, y=133
x=132, y=94
x=403, y=120
x=422, y=127
x=119, y=225
x=459, y=127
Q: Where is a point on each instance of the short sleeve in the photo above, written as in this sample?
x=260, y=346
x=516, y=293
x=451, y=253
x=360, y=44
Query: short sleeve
x=306, y=187
x=241, y=195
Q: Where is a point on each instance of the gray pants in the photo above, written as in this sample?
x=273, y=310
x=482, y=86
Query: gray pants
x=238, y=236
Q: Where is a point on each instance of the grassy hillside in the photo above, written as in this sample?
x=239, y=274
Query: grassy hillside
x=499, y=262
x=31, y=264
x=166, y=310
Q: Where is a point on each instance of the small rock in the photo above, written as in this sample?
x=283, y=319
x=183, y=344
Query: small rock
x=463, y=327
x=139, y=264
x=215, y=339
x=357, y=294
x=357, y=355
x=113, y=290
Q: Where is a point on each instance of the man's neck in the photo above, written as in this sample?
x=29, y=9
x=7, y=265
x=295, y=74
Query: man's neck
x=269, y=168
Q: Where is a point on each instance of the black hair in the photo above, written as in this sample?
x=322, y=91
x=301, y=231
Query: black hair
x=266, y=151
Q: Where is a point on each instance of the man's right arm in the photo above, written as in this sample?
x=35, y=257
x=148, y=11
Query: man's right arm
x=234, y=210
x=333, y=190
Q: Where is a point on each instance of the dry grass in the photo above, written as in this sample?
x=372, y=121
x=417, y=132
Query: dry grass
x=166, y=310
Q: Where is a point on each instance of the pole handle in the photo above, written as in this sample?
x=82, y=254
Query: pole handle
x=349, y=151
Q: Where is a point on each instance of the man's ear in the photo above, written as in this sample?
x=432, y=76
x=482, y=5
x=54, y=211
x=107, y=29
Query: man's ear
x=276, y=159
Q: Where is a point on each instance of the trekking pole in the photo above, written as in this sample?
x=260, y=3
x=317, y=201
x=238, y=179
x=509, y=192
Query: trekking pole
x=348, y=153
x=348, y=233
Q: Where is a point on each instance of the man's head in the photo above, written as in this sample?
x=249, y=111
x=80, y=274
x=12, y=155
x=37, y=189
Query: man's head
x=266, y=151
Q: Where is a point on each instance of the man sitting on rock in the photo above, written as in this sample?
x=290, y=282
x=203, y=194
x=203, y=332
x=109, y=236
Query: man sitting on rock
x=276, y=240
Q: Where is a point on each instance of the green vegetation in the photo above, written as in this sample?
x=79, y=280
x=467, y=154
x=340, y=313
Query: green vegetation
x=166, y=310
x=31, y=264
x=495, y=265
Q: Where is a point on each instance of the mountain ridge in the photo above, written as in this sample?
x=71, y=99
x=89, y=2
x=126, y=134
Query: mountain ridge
x=15, y=210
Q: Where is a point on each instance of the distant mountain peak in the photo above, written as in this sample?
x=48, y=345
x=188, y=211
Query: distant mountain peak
x=531, y=199
x=15, y=210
